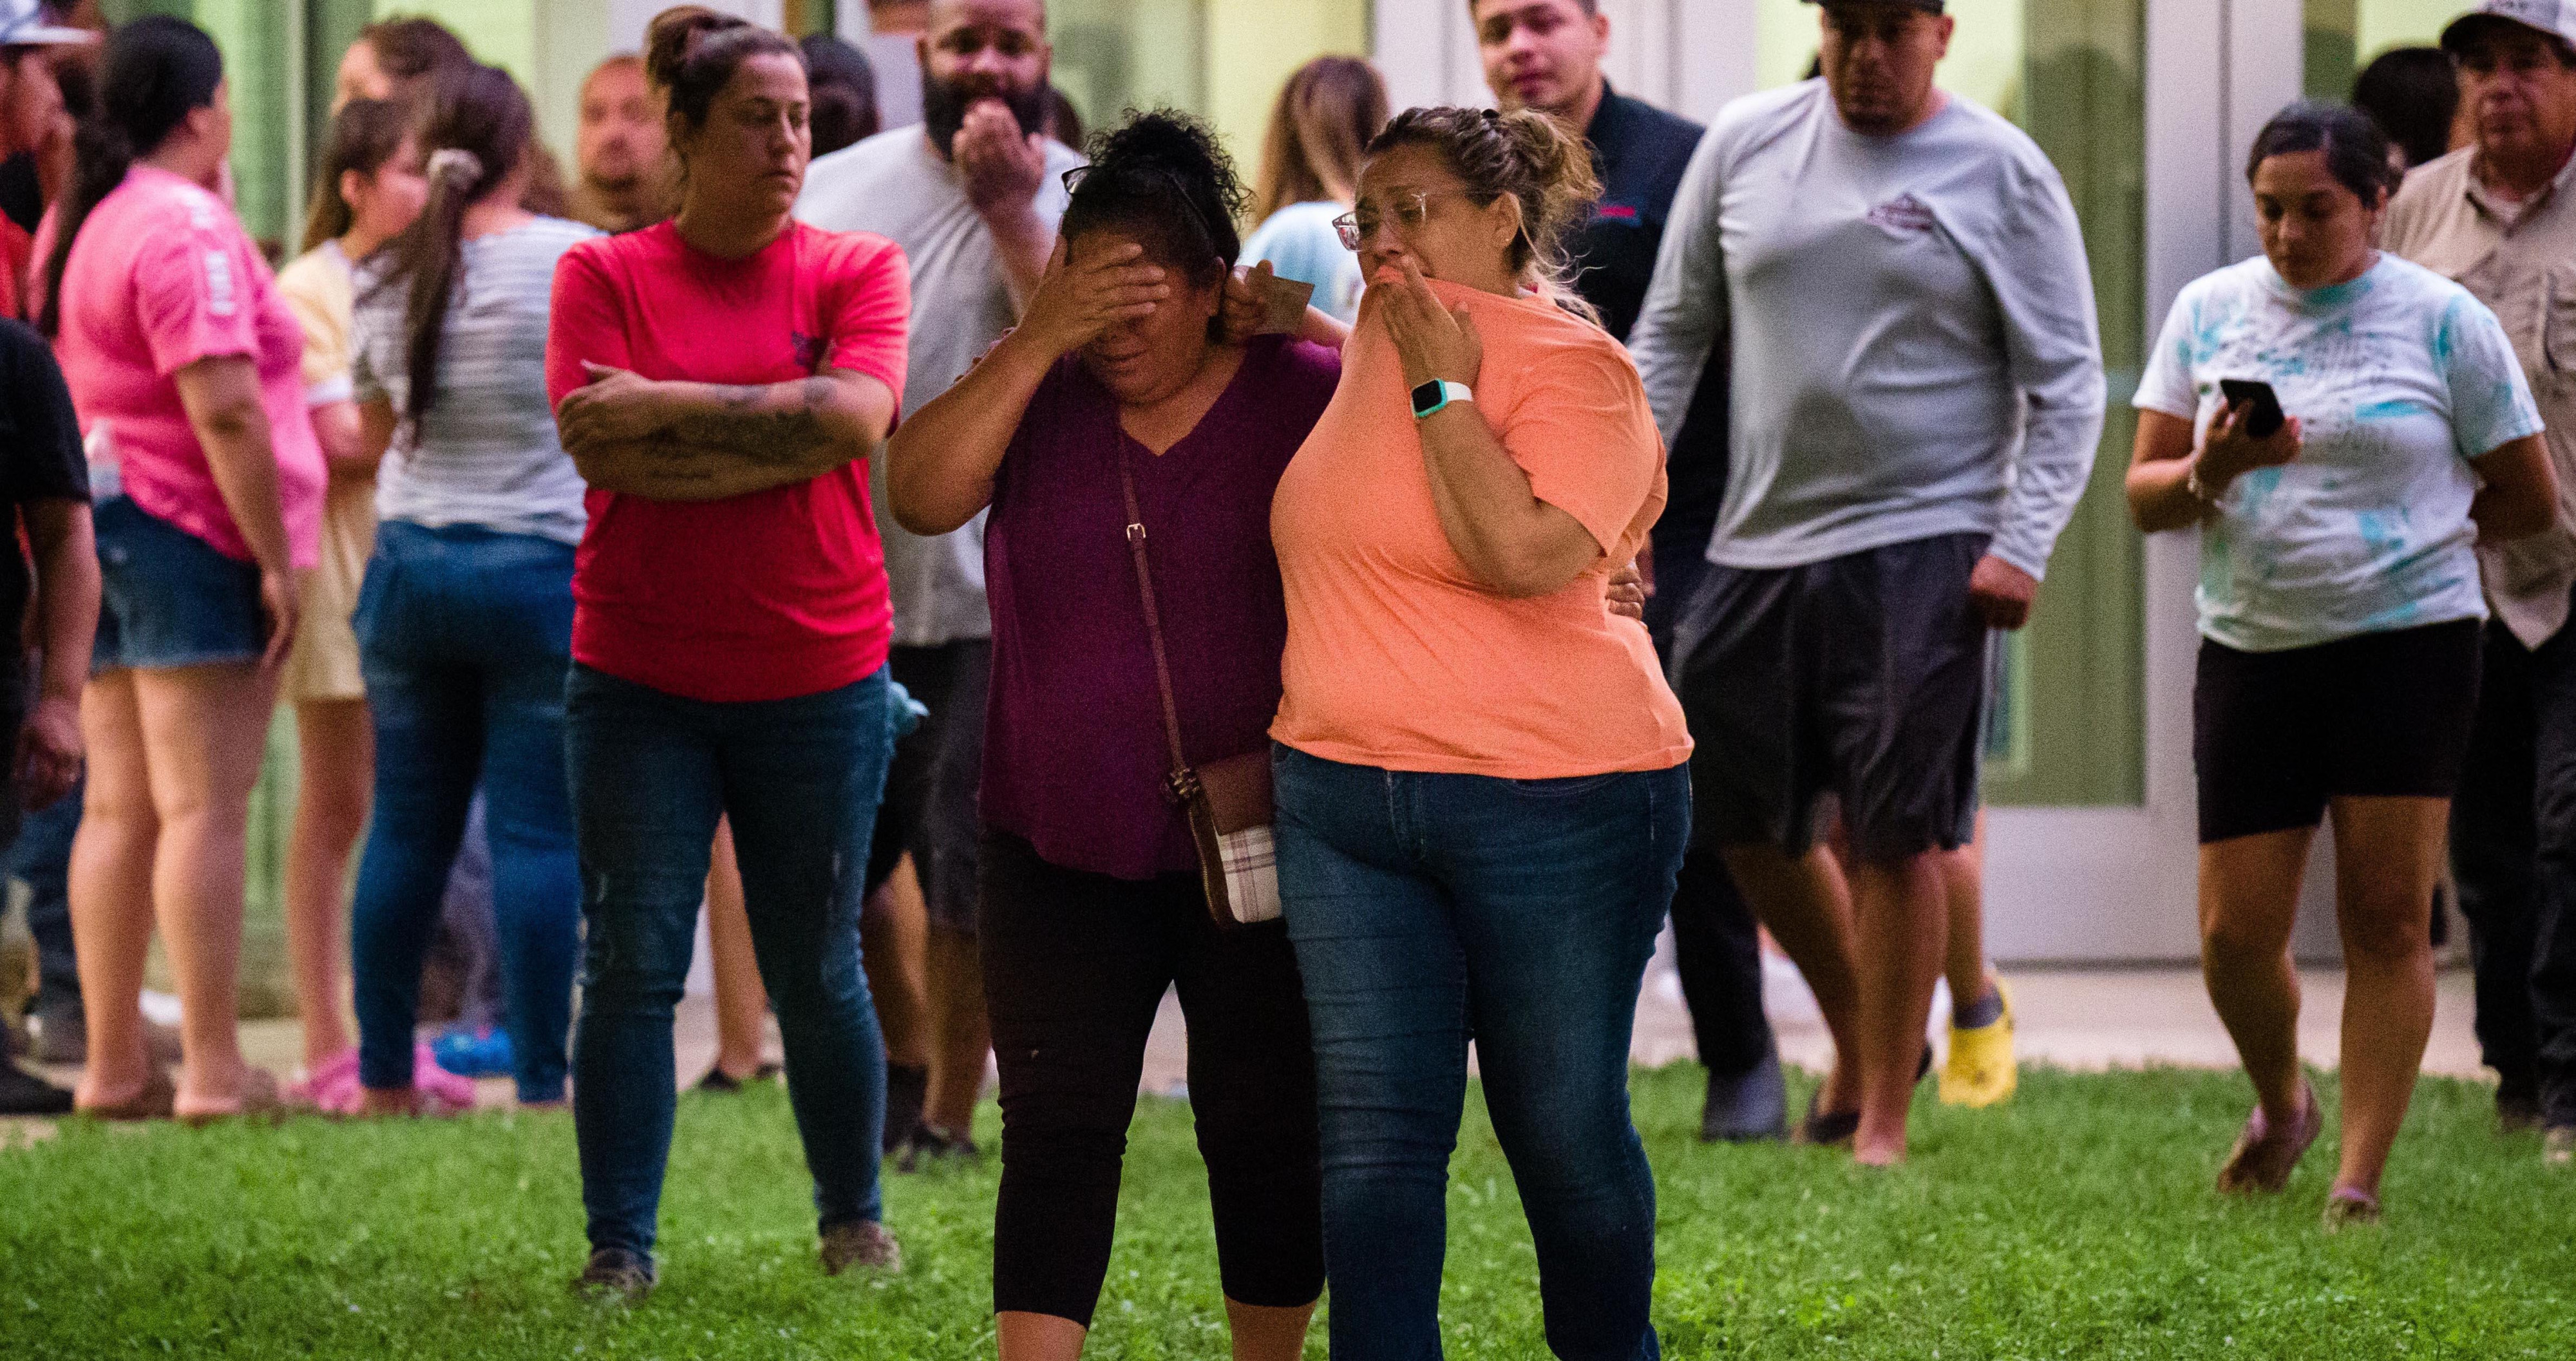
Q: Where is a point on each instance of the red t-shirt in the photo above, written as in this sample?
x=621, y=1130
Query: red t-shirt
x=767, y=596
x=17, y=256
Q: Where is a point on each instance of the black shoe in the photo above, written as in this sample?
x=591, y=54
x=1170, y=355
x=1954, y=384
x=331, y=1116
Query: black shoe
x=718, y=1080
x=24, y=1093
x=616, y=1276
x=906, y=1088
x=930, y=1146
x=1841, y=1127
x=1823, y=1130
x=1751, y=1107
x=2516, y=1113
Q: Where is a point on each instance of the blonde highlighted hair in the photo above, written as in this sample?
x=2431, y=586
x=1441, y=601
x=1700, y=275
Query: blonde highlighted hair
x=1527, y=156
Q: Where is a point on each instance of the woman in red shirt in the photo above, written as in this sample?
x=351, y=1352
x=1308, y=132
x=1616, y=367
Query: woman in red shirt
x=721, y=378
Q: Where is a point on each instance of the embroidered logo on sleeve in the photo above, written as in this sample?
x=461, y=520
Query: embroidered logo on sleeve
x=1904, y=214
x=219, y=284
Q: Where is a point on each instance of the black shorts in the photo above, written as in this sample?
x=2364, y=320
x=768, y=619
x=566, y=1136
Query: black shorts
x=930, y=807
x=1863, y=677
x=2275, y=735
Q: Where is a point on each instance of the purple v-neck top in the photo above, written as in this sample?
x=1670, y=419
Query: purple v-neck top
x=1074, y=750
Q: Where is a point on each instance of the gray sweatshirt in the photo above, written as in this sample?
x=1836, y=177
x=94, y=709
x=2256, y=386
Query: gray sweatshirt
x=1912, y=327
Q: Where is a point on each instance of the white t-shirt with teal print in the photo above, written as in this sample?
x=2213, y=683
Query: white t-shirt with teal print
x=2398, y=378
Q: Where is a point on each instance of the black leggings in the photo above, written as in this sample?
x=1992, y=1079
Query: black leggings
x=1075, y=965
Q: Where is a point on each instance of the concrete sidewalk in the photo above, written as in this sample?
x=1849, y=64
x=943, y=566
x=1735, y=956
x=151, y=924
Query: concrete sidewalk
x=2085, y=1019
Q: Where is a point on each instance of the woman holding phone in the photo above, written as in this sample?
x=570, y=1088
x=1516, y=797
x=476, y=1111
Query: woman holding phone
x=2342, y=504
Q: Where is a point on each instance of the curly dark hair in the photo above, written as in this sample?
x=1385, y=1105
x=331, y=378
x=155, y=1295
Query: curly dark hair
x=1163, y=177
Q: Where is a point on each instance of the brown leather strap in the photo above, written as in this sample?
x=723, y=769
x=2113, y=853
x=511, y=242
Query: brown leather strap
x=1182, y=784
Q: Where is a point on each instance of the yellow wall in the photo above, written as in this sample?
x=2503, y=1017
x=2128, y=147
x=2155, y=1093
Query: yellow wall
x=1253, y=46
x=2383, y=24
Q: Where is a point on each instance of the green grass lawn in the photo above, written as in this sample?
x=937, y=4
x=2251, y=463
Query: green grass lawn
x=2077, y=1222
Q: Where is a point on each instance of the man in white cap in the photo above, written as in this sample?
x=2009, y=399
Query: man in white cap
x=2499, y=216
x=1916, y=396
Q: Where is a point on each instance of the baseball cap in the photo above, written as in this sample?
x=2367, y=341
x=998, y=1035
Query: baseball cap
x=2556, y=18
x=23, y=23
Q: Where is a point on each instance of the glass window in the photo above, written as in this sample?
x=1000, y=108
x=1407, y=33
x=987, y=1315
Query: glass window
x=1221, y=59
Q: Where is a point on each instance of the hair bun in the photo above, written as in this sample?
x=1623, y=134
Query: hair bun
x=676, y=34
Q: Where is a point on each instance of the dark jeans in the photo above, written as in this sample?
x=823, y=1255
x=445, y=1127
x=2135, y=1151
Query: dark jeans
x=42, y=860
x=1429, y=910
x=800, y=779
x=2513, y=850
x=1075, y=965
x=464, y=636
x=1717, y=944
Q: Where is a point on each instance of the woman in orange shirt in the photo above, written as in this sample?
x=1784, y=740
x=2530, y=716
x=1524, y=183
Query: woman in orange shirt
x=1481, y=800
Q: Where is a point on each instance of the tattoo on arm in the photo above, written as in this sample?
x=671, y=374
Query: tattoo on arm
x=762, y=423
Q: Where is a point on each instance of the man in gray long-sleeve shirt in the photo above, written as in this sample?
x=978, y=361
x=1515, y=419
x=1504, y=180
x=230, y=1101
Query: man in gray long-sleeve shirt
x=1917, y=393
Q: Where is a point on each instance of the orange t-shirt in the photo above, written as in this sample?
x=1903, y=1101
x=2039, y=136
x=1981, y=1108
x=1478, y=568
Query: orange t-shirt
x=1397, y=657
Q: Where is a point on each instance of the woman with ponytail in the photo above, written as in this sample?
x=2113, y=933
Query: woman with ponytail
x=1481, y=798
x=721, y=378
x=1123, y=371
x=464, y=624
x=366, y=190
x=183, y=361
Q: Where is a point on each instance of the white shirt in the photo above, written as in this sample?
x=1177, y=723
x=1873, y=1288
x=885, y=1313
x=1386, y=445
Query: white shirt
x=2398, y=378
x=895, y=185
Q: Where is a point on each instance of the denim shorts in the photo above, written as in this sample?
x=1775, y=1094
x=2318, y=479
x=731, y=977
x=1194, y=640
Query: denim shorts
x=167, y=598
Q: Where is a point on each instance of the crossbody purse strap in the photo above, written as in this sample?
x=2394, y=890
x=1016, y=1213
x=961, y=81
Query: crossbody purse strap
x=1182, y=784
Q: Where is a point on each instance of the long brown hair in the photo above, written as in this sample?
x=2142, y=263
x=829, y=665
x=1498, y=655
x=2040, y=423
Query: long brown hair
x=1523, y=154
x=364, y=135
x=1319, y=131
x=411, y=50
x=481, y=116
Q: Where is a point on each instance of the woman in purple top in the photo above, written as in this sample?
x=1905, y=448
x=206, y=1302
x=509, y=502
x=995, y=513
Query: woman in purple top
x=1091, y=898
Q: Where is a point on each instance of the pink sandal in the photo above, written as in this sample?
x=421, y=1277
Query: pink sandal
x=334, y=1089
x=2264, y=1158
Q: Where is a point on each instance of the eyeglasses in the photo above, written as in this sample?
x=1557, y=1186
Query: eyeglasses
x=1409, y=211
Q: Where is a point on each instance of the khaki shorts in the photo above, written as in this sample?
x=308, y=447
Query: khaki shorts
x=323, y=665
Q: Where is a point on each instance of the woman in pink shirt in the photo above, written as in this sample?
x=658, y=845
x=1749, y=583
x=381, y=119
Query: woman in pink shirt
x=184, y=362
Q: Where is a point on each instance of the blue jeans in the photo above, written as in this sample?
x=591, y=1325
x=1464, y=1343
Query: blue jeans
x=42, y=860
x=464, y=637
x=800, y=779
x=1429, y=910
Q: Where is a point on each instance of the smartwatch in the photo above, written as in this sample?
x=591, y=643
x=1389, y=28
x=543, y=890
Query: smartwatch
x=1435, y=396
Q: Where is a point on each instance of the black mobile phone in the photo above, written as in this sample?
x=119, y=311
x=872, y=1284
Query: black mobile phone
x=2263, y=415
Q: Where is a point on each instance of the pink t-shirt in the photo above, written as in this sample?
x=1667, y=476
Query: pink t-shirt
x=768, y=596
x=162, y=276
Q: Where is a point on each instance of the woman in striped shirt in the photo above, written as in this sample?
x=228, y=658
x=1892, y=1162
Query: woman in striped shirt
x=465, y=621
